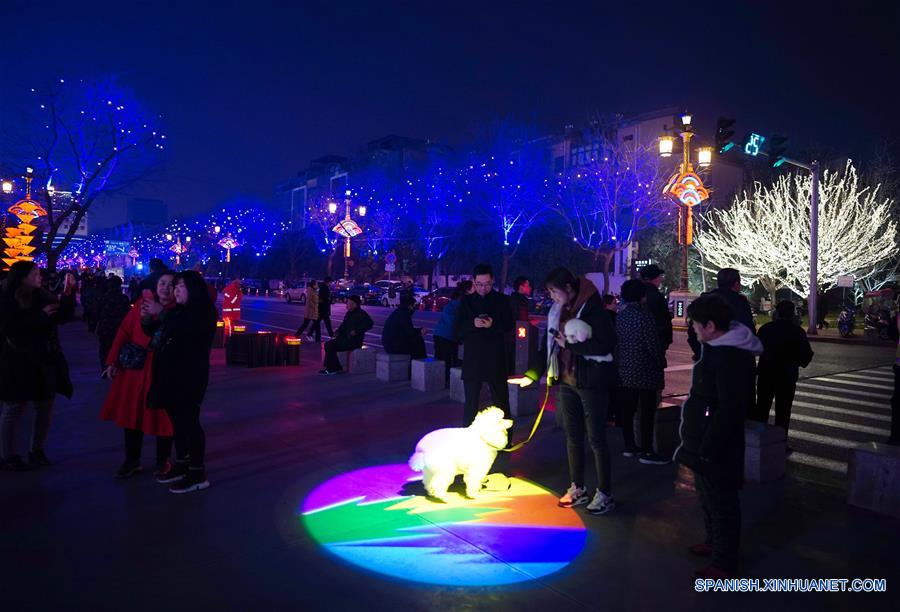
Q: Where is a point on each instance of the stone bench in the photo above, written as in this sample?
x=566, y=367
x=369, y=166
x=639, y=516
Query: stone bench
x=457, y=389
x=874, y=475
x=391, y=368
x=427, y=374
x=358, y=361
x=764, y=452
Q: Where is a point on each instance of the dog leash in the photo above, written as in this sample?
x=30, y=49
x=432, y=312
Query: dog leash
x=537, y=422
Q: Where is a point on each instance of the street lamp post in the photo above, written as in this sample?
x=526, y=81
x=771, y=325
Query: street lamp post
x=347, y=228
x=687, y=190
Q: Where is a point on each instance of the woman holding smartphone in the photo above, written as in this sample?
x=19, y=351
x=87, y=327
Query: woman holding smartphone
x=33, y=369
x=129, y=364
x=182, y=342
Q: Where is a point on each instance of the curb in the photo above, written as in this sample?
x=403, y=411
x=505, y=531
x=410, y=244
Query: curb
x=856, y=340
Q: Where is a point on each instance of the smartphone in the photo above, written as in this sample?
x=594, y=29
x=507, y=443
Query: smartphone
x=553, y=332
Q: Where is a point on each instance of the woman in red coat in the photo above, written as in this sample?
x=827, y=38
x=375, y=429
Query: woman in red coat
x=126, y=403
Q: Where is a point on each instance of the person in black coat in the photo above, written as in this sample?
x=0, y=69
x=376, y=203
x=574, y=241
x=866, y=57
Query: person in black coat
x=482, y=324
x=325, y=306
x=712, y=427
x=656, y=304
x=786, y=350
x=400, y=336
x=350, y=335
x=33, y=368
x=519, y=299
x=114, y=306
x=181, y=341
x=728, y=287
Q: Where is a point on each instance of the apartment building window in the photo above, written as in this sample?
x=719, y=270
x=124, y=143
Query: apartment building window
x=585, y=154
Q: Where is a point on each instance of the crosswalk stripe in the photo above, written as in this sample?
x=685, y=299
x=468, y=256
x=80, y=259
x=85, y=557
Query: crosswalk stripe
x=846, y=411
x=867, y=377
x=820, y=462
x=868, y=385
x=875, y=431
x=840, y=390
x=820, y=439
x=846, y=400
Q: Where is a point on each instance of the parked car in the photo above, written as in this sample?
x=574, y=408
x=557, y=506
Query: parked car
x=252, y=286
x=437, y=299
x=366, y=292
x=296, y=293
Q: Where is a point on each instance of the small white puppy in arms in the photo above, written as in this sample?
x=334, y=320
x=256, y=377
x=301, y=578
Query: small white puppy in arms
x=470, y=451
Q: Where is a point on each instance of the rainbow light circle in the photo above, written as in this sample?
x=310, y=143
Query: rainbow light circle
x=378, y=518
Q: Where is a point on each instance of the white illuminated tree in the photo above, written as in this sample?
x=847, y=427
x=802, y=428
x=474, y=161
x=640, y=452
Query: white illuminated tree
x=765, y=233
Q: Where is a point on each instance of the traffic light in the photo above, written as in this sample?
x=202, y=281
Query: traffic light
x=777, y=147
x=724, y=132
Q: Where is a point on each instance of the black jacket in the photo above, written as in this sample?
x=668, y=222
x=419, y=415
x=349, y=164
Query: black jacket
x=324, y=301
x=659, y=308
x=32, y=364
x=712, y=417
x=518, y=306
x=114, y=306
x=786, y=350
x=181, y=344
x=399, y=335
x=484, y=352
x=357, y=320
x=740, y=312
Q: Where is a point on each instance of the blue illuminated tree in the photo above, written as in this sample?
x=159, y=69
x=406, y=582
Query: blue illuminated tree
x=611, y=198
x=87, y=138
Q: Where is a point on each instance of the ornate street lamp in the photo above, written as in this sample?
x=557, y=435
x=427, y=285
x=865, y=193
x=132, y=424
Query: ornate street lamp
x=347, y=228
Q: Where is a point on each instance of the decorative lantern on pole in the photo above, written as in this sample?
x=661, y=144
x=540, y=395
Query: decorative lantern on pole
x=134, y=255
x=347, y=228
x=228, y=243
x=18, y=239
x=179, y=248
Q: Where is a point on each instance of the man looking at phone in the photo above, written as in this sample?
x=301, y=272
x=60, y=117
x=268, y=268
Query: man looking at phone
x=482, y=323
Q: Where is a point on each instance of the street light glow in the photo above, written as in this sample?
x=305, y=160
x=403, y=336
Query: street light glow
x=7, y=186
x=686, y=119
x=704, y=156
x=362, y=211
x=666, y=146
x=332, y=207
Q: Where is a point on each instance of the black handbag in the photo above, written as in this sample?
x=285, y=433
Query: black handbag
x=132, y=356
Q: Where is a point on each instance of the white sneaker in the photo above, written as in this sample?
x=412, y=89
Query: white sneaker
x=574, y=496
x=601, y=504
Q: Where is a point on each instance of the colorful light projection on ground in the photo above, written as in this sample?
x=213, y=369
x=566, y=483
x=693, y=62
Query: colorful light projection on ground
x=379, y=518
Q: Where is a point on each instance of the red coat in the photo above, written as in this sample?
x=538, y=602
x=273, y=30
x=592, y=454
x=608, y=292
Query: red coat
x=126, y=402
x=231, y=301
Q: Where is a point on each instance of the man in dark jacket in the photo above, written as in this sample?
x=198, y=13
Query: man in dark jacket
x=325, y=305
x=519, y=299
x=114, y=306
x=482, y=325
x=350, y=335
x=785, y=350
x=400, y=336
x=728, y=286
x=712, y=427
x=656, y=303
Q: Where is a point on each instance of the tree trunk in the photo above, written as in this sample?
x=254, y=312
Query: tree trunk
x=504, y=271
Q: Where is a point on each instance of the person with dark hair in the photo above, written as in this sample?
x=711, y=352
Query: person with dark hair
x=311, y=313
x=324, y=308
x=786, y=349
x=520, y=298
x=581, y=341
x=641, y=367
x=482, y=324
x=712, y=427
x=349, y=335
x=157, y=269
x=33, y=369
x=728, y=287
x=134, y=289
x=114, y=306
x=446, y=348
x=652, y=276
x=400, y=336
x=182, y=341
x=129, y=365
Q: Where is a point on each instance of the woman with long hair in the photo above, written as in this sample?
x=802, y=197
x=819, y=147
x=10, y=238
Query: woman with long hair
x=129, y=364
x=182, y=340
x=33, y=368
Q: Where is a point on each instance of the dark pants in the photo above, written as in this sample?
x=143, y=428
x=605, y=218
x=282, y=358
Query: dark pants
x=584, y=413
x=134, y=440
x=499, y=397
x=332, y=348
x=447, y=351
x=634, y=400
x=895, y=408
x=315, y=328
x=722, y=518
x=773, y=387
x=9, y=425
x=106, y=343
x=190, y=439
x=326, y=319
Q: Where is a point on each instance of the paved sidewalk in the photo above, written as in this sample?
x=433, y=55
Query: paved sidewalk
x=73, y=538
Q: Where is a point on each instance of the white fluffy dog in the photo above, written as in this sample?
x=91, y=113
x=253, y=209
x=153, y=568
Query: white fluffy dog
x=470, y=451
x=577, y=331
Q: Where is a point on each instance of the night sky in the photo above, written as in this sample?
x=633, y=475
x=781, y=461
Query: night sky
x=251, y=91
